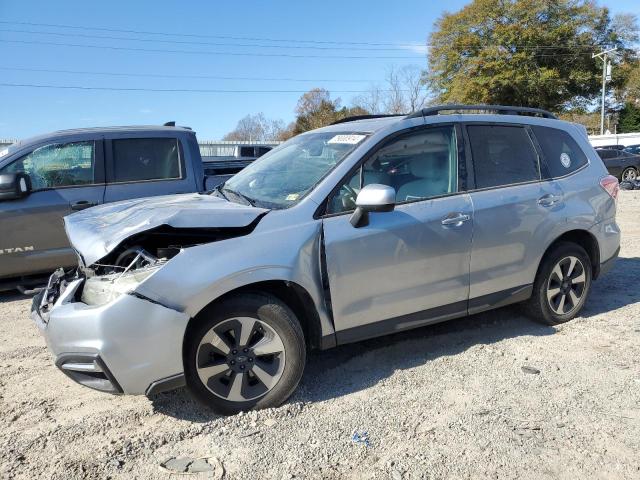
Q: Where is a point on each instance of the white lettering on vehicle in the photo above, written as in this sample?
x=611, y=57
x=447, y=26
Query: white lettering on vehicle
x=4, y=251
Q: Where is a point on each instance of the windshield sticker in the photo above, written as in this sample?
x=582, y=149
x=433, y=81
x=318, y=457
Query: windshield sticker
x=348, y=139
x=565, y=160
x=292, y=197
x=4, y=152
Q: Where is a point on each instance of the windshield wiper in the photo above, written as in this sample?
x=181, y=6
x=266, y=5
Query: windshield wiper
x=249, y=200
x=218, y=189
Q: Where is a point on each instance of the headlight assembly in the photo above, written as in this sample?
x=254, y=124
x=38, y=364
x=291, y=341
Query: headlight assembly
x=103, y=289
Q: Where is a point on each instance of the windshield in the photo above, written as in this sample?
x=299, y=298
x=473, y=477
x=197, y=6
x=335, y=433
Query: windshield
x=283, y=176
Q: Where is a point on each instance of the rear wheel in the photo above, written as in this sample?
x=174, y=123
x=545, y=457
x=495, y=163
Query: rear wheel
x=246, y=352
x=629, y=173
x=561, y=286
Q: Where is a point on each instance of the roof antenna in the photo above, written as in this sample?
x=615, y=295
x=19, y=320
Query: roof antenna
x=170, y=124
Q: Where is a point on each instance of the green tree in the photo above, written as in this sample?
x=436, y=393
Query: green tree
x=525, y=52
x=629, y=119
x=316, y=109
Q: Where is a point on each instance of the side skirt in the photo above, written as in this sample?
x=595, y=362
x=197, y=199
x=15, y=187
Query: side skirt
x=435, y=315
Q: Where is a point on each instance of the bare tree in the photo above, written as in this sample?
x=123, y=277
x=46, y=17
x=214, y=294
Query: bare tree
x=394, y=101
x=256, y=128
x=371, y=101
x=415, y=91
x=404, y=91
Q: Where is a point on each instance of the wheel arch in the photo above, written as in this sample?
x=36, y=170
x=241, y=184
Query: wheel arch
x=296, y=297
x=586, y=240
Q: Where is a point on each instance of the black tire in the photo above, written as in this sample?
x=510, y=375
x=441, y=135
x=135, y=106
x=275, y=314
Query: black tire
x=269, y=311
x=539, y=306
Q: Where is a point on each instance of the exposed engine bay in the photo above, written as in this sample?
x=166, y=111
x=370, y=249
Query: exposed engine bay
x=140, y=256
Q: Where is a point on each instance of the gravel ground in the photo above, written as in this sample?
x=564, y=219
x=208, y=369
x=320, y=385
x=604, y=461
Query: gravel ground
x=490, y=396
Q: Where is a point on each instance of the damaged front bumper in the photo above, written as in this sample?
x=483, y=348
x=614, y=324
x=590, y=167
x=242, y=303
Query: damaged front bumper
x=129, y=345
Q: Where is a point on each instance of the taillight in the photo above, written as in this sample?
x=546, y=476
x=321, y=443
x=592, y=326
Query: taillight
x=610, y=184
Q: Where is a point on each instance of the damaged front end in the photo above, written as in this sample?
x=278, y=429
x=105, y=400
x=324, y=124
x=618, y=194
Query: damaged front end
x=140, y=256
x=93, y=317
x=120, y=245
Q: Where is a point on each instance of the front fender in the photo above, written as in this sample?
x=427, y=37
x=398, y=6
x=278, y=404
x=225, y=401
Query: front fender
x=199, y=275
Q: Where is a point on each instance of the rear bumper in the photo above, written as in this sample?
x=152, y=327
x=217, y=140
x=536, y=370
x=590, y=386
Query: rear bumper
x=607, y=265
x=130, y=345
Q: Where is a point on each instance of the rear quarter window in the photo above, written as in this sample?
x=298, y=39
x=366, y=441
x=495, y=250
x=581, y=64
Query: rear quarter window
x=562, y=155
x=502, y=155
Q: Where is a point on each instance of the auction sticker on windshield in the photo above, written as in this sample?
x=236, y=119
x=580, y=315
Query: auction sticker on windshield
x=348, y=139
x=4, y=152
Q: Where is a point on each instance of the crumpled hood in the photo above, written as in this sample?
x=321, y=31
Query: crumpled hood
x=95, y=232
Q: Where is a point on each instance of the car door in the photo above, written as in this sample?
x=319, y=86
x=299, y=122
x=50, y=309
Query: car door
x=516, y=213
x=612, y=160
x=145, y=166
x=66, y=176
x=410, y=266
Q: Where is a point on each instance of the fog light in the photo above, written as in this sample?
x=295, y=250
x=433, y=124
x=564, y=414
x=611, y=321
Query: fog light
x=88, y=370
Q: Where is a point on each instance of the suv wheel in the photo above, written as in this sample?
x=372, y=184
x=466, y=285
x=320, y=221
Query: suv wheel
x=561, y=286
x=629, y=174
x=247, y=352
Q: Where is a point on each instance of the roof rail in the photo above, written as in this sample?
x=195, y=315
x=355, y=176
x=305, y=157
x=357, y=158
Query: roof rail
x=366, y=117
x=499, y=109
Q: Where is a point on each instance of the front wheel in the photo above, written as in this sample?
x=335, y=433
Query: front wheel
x=561, y=286
x=246, y=352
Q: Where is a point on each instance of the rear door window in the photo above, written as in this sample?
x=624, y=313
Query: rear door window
x=140, y=159
x=562, y=155
x=502, y=155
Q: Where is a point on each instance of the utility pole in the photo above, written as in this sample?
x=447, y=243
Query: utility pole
x=606, y=76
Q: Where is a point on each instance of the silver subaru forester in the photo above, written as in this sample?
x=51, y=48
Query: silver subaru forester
x=369, y=226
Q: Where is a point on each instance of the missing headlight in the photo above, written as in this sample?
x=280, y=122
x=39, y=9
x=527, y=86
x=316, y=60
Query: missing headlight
x=133, y=267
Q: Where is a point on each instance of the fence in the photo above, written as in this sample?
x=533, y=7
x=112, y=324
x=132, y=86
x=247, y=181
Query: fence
x=208, y=148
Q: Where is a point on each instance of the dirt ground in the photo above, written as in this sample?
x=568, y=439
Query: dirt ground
x=447, y=401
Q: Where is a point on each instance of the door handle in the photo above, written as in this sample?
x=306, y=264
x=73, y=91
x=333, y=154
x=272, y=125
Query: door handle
x=455, y=219
x=548, y=200
x=82, y=204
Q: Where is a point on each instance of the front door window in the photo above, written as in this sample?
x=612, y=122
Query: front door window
x=58, y=165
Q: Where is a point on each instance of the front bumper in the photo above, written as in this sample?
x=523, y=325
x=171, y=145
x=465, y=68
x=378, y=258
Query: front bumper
x=130, y=345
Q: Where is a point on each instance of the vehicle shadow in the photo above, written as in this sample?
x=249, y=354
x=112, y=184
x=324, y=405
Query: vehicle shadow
x=616, y=289
x=355, y=367
x=350, y=368
x=13, y=296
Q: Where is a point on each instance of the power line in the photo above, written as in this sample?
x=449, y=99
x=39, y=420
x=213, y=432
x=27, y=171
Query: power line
x=242, y=54
x=165, y=90
x=195, y=35
x=168, y=75
x=195, y=52
x=299, y=47
x=403, y=46
x=218, y=44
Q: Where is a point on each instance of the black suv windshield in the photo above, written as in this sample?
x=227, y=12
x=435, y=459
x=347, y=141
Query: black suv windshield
x=286, y=174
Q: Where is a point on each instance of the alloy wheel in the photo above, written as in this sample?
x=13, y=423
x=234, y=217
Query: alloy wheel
x=566, y=285
x=240, y=359
x=629, y=174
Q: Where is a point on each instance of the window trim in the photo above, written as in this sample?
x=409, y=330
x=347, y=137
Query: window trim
x=461, y=159
x=98, y=163
x=472, y=161
x=111, y=162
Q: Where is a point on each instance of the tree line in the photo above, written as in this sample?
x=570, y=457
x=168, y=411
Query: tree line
x=535, y=53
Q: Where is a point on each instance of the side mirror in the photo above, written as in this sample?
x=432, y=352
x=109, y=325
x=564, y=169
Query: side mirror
x=14, y=185
x=372, y=198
